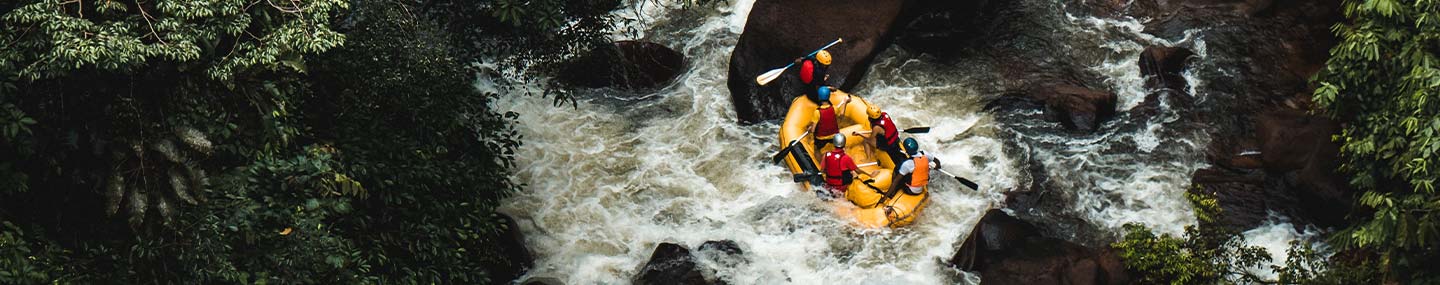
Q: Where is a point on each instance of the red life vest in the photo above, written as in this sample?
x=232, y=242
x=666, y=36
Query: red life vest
x=891, y=135
x=837, y=167
x=827, y=125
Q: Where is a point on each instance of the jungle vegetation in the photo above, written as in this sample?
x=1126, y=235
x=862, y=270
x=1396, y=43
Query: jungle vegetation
x=264, y=141
x=1381, y=82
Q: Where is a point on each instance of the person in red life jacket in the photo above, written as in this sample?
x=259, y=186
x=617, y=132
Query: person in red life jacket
x=840, y=169
x=825, y=123
x=883, y=133
x=915, y=171
x=813, y=73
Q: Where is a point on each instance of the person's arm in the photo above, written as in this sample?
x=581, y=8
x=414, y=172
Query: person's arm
x=907, y=167
x=814, y=120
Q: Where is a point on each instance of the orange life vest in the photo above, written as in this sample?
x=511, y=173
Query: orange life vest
x=921, y=176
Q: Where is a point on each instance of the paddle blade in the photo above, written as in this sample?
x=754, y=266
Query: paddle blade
x=780, y=156
x=801, y=177
x=968, y=183
x=771, y=75
x=918, y=130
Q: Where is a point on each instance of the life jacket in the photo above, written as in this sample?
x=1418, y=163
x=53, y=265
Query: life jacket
x=891, y=135
x=827, y=126
x=836, y=174
x=921, y=175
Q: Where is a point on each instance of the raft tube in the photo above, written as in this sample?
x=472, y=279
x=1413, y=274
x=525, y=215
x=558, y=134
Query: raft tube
x=867, y=206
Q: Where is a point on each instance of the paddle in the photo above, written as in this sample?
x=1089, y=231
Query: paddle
x=781, y=155
x=917, y=130
x=771, y=75
x=962, y=180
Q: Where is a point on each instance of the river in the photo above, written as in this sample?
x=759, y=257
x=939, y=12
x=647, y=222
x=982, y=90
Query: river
x=608, y=180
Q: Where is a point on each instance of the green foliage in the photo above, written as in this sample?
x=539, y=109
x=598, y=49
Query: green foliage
x=19, y=263
x=1209, y=253
x=356, y=154
x=1206, y=254
x=1381, y=79
x=221, y=38
x=444, y=156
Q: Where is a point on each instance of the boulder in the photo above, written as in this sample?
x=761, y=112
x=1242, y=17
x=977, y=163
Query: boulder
x=1076, y=107
x=1162, y=66
x=944, y=27
x=517, y=258
x=626, y=65
x=1244, y=198
x=671, y=264
x=728, y=247
x=1006, y=250
x=1297, y=146
x=777, y=32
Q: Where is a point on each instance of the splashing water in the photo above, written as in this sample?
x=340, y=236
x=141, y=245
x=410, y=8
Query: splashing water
x=1275, y=236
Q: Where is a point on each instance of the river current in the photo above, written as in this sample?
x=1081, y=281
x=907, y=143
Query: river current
x=608, y=180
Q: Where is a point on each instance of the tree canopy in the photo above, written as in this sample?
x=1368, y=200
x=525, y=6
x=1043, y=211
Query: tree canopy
x=1381, y=80
x=244, y=141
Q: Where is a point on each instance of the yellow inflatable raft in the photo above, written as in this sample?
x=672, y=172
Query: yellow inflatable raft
x=867, y=205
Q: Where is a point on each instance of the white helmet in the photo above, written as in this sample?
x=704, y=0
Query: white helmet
x=839, y=141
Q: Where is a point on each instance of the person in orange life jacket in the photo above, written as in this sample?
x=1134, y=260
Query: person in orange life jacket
x=826, y=124
x=813, y=73
x=915, y=171
x=883, y=133
x=840, y=169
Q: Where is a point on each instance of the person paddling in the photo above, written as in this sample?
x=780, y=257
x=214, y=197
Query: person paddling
x=883, y=133
x=840, y=169
x=916, y=168
x=814, y=73
x=825, y=124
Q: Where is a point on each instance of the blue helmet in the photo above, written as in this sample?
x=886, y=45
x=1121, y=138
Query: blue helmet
x=824, y=92
x=911, y=147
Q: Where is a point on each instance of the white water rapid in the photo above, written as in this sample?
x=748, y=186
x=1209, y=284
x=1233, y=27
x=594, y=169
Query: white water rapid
x=609, y=180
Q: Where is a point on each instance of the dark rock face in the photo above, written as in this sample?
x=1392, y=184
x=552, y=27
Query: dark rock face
x=513, y=246
x=1162, y=67
x=1078, y=108
x=939, y=27
x=671, y=264
x=1298, y=146
x=1006, y=250
x=625, y=64
x=728, y=247
x=1289, y=168
x=1246, y=197
x=777, y=32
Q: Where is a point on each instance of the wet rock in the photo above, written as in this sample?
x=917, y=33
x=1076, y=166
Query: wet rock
x=625, y=64
x=776, y=32
x=1237, y=153
x=945, y=27
x=724, y=253
x=1006, y=250
x=671, y=264
x=1078, y=108
x=1297, y=146
x=1245, y=201
x=1162, y=66
x=517, y=258
x=728, y=247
